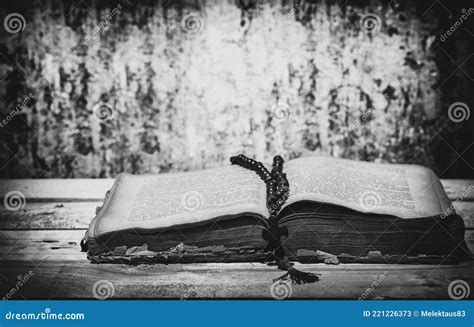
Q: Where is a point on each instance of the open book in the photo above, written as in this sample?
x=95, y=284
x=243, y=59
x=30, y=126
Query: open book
x=335, y=205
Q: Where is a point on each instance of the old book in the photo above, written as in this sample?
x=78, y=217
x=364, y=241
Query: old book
x=335, y=205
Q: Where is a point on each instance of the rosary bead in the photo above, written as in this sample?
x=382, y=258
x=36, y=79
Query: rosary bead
x=285, y=180
x=278, y=159
x=282, y=189
x=277, y=169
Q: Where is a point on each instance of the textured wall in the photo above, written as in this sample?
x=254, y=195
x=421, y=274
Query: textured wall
x=154, y=87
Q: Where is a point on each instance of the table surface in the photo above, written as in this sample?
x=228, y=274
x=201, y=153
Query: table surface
x=40, y=257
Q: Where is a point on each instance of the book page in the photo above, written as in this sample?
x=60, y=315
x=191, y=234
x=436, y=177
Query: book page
x=157, y=201
x=405, y=191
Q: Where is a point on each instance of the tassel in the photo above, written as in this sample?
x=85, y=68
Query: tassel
x=297, y=277
x=272, y=236
x=83, y=245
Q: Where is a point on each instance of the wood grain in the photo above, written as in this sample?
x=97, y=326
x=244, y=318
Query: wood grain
x=80, y=189
x=49, y=215
x=459, y=188
x=66, y=279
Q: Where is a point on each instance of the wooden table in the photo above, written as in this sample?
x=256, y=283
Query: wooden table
x=42, y=242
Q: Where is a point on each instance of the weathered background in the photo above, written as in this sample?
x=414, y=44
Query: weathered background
x=180, y=85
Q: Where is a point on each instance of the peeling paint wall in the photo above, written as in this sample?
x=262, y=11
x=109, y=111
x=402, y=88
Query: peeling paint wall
x=172, y=86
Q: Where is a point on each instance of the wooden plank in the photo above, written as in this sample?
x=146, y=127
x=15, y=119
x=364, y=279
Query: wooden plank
x=459, y=188
x=72, y=215
x=47, y=245
x=50, y=215
x=60, y=270
x=83, y=189
x=57, y=280
x=80, y=189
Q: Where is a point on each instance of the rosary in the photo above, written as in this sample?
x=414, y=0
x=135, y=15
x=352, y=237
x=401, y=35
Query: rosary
x=278, y=191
